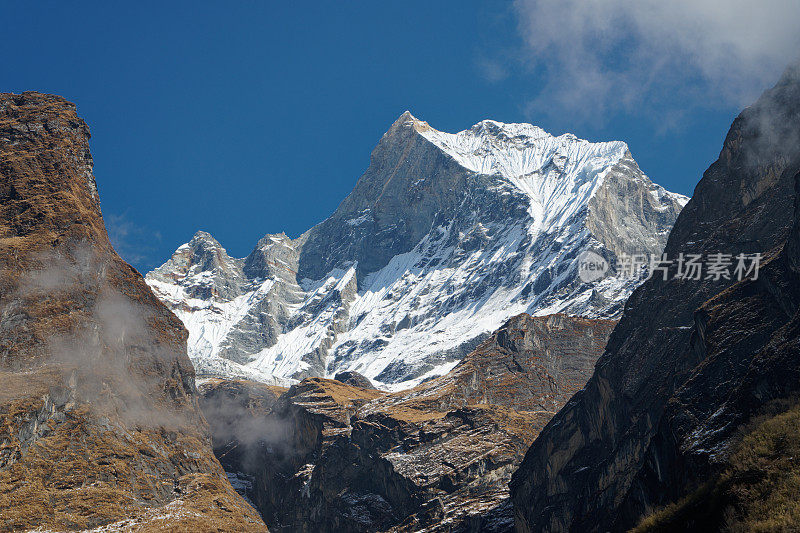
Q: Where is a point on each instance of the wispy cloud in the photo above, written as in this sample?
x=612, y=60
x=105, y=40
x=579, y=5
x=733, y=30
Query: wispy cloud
x=605, y=56
x=132, y=242
x=492, y=70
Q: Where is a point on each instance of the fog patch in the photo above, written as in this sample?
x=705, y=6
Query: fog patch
x=245, y=429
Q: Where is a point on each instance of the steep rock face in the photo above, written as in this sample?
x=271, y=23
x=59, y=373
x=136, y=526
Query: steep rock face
x=625, y=443
x=434, y=458
x=99, y=419
x=749, y=338
x=443, y=239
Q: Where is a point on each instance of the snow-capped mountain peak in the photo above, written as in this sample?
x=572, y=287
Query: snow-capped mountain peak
x=443, y=238
x=516, y=150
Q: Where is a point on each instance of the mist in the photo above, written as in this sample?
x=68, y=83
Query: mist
x=104, y=342
x=112, y=360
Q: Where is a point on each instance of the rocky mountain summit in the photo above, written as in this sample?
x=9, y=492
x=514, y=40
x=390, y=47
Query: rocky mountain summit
x=443, y=239
x=325, y=455
x=99, y=419
x=675, y=411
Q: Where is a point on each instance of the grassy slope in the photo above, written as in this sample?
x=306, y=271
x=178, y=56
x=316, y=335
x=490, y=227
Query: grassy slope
x=759, y=490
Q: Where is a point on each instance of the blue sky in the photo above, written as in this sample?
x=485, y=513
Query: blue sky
x=246, y=118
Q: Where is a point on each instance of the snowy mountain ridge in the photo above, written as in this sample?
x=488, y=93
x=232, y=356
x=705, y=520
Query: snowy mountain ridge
x=443, y=239
x=558, y=173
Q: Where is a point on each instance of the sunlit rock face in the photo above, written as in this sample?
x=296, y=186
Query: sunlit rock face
x=443, y=239
x=99, y=419
x=690, y=362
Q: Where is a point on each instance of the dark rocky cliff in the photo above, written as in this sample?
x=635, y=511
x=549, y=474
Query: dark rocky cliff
x=438, y=457
x=631, y=440
x=99, y=419
x=750, y=343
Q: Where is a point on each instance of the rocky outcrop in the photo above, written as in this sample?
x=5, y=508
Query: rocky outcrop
x=443, y=239
x=530, y=364
x=691, y=360
x=99, y=418
x=438, y=457
x=354, y=379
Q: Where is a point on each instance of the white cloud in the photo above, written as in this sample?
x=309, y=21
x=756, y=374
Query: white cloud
x=601, y=56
